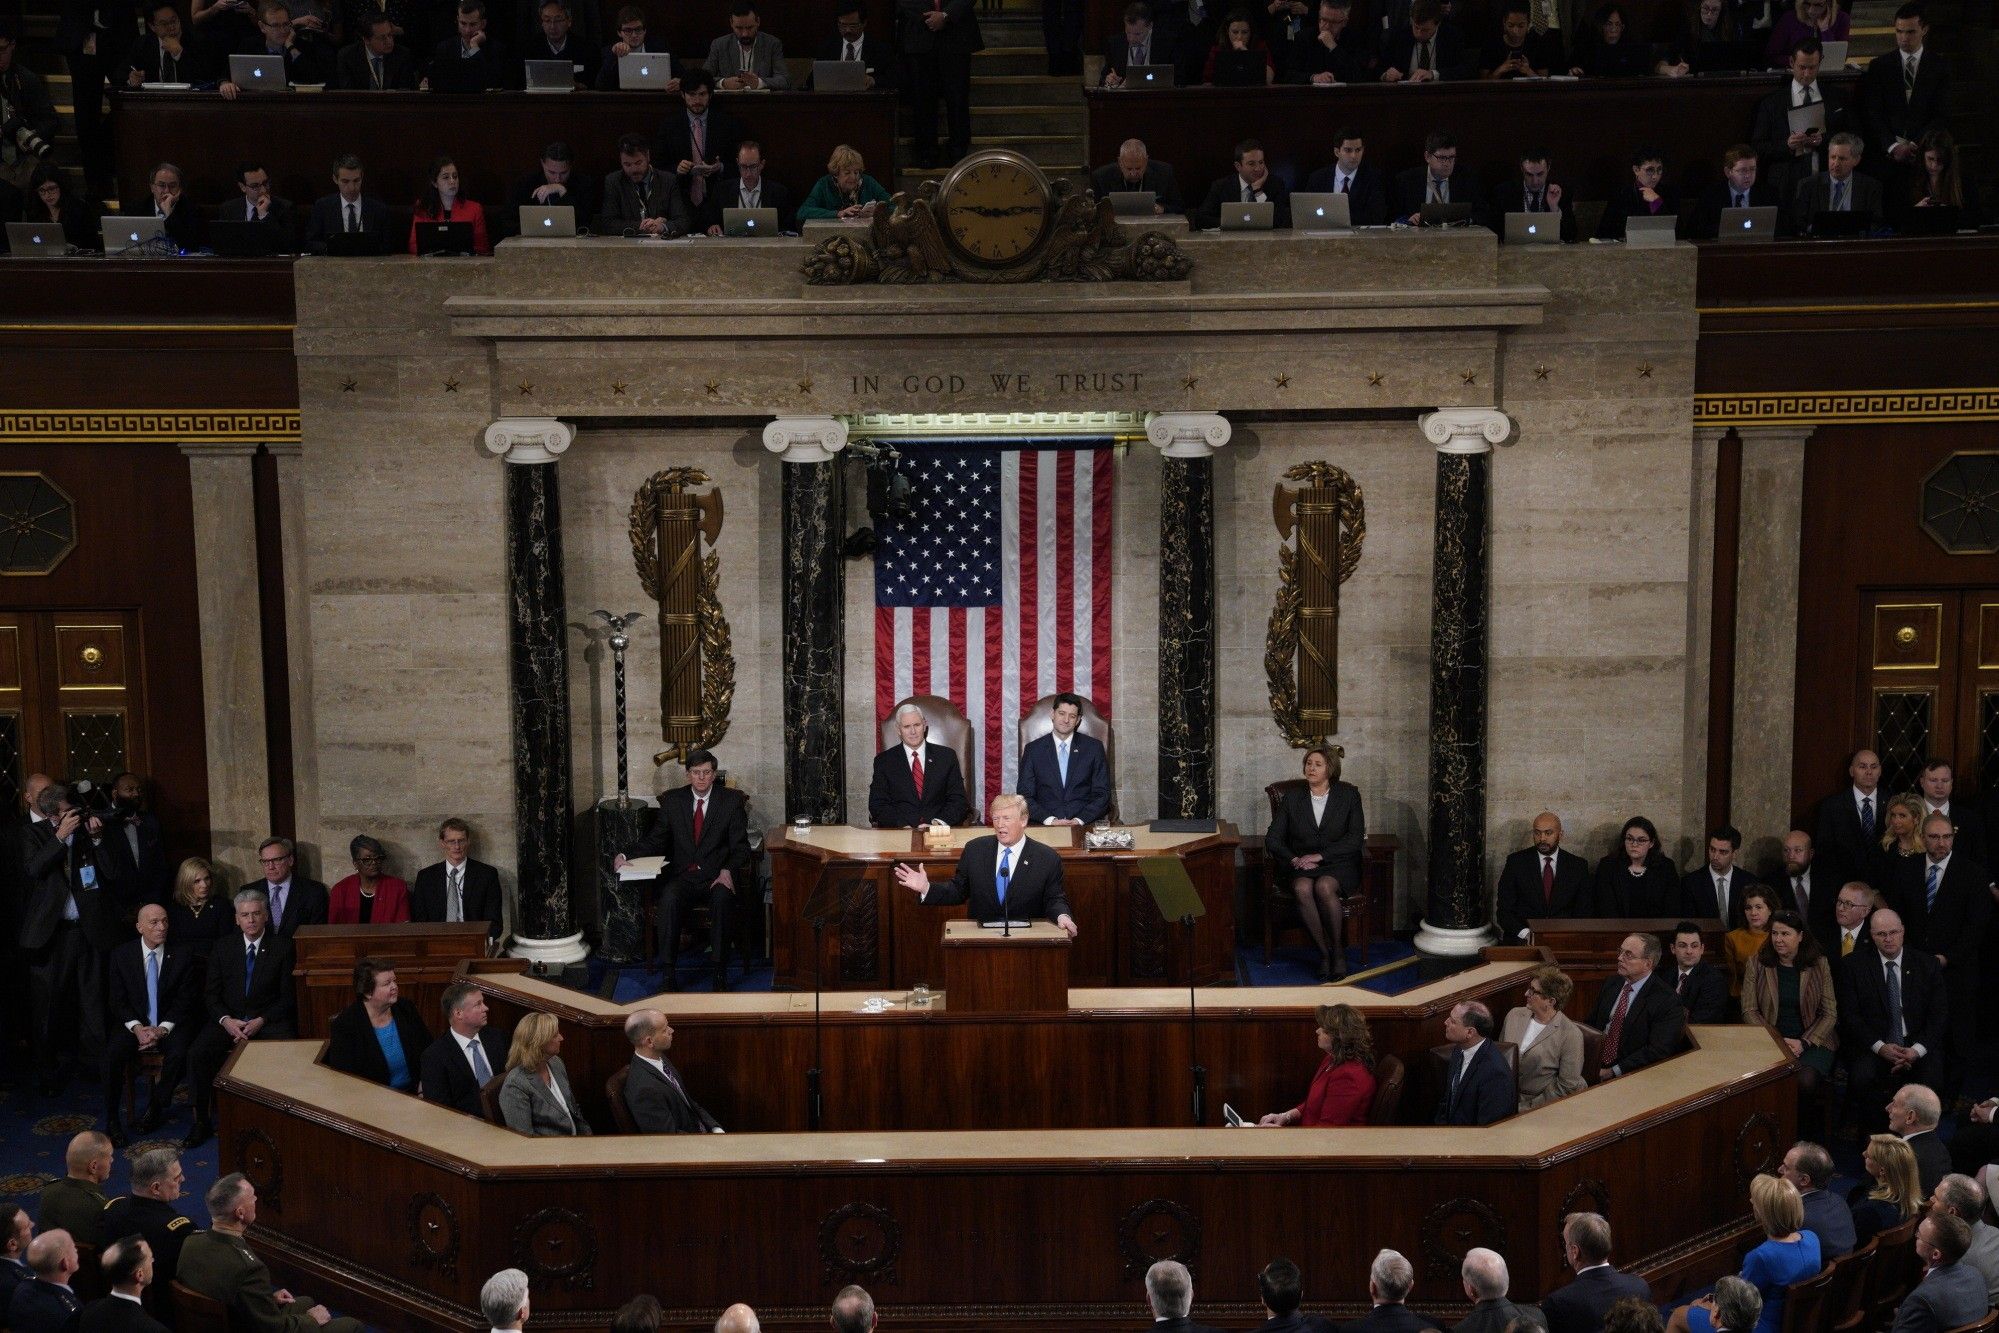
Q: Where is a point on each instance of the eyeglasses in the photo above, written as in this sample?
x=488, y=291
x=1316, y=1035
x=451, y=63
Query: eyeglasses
x=273, y=860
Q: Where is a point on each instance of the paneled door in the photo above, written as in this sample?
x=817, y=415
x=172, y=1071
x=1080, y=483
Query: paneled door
x=1930, y=683
x=71, y=700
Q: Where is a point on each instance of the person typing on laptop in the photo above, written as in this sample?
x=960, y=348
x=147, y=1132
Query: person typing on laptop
x=555, y=183
x=442, y=201
x=555, y=40
x=750, y=188
x=347, y=212
x=1740, y=187
x=632, y=40
x=1139, y=47
x=1350, y=175
x=307, y=57
x=1535, y=190
x=1135, y=171
x=1840, y=188
x=1250, y=183
x=851, y=43
x=1437, y=181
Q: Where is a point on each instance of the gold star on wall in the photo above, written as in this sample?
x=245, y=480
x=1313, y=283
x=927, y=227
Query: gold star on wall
x=527, y=390
x=1540, y=372
x=1282, y=381
x=1374, y=380
x=1470, y=377
x=451, y=386
x=712, y=387
x=347, y=385
x=618, y=388
x=1645, y=371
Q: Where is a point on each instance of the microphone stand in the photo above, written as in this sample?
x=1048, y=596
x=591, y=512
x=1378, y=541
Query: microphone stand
x=814, y=1107
x=1193, y=1020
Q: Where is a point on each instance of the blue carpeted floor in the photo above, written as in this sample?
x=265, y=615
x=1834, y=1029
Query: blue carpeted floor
x=35, y=1130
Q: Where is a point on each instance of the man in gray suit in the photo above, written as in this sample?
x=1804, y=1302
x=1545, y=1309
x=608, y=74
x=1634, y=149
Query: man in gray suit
x=638, y=199
x=747, y=57
x=1839, y=188
x=1964, y=1198
x=1951, y=1294
x=654, y=1093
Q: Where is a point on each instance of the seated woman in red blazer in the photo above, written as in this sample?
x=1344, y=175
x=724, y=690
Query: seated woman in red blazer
x=441, y=203
x=368, y=897
x=1342, y=1091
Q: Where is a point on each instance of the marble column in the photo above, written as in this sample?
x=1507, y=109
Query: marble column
x=1766, y=626
x=222, y=481
x=298, y=655
x=1187, y=442
x=1457, y=920
x=545, y=929
x=814, y=500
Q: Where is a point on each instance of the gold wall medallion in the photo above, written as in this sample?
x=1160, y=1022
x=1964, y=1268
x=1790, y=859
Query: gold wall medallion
x=697, y=663
x=1328, y=518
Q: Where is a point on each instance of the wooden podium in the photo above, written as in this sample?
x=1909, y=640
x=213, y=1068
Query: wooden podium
x=987, y=971
x=426, y=956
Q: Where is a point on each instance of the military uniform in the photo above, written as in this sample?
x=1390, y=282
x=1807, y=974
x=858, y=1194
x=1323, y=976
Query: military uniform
x=220, y=1266
x=165, y=1230
x=75, y=1206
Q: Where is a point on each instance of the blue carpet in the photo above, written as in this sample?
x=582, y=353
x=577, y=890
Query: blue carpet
x=35, y=1130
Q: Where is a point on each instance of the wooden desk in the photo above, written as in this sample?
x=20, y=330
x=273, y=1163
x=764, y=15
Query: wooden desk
x=426, y=957
x=1021, y=971
x=1586, y=949
x=885, y=937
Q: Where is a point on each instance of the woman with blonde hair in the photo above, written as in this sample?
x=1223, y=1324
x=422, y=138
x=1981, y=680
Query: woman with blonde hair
x=1901, y=839
x=846, y=191
x=1550, y=1045
x=1342, y=1091
x=535, y=1098
x=196, y=915
x=1897, y=1192
x=1788, y=1254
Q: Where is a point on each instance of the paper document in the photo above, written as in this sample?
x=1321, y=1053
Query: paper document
x=643, y=867
x=1805, y=118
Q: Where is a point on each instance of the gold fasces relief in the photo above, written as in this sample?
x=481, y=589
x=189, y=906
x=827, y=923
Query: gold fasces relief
x=697, y=668
x=1328, y=518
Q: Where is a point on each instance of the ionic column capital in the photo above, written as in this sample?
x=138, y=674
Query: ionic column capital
x=1187, y=434
x=1466, y=430
x=522, y=440
x=806, y=439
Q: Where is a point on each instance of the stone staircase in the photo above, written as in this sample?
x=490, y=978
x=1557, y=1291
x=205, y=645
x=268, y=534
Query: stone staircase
x=1015, y=104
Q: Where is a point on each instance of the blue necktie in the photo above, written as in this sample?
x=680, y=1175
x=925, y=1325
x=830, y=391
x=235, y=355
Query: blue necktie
x=1839, y=196
x=1936, y=882
x=1006, y=859
x=152, y=988
x=1062, y=761
x=1867, y=815
x=249, y=968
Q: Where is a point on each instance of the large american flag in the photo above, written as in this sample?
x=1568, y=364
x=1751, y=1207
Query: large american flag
x=997, y=591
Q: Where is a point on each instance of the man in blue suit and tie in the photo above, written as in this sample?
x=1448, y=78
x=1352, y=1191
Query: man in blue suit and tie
x=1064, y=775
x=1478, y=1083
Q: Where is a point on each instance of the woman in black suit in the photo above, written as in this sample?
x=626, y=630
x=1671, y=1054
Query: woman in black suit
x=1316, y=840
x=380, y=1036
x=50, y=203
x=1640, y=880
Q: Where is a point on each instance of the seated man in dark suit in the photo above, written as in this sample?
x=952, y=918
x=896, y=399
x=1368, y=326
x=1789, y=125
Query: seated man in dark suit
x=1136, y=170
x=852, y=43
x=166, y=54
x=259, y=206
x=376, y=63
x=1486, y=1281
x=1646, y=195
x=1438, y=180
x=250, y=998
x=470, y=59
x=185, y=225
x=1914, y=1113
x=1363, y=185
x=1141, y=45
x=703, y=835
x=1426, y=47
x=916, y=782
x=554, y=39
x=556, y=184
x=1338, y=53
x=1005, y=876
x=1791, y=155
x=1169, y=1291
x=1389, y=1280
x=749, y=188
x=1840, y=188
x=1702, y=988
x=457, y=888
x=48, y=1304
x=1952, y=1293
x=308, y=57
x=1716, y=890
x=17, y=1230
x=1534, y=191
x=1250, y=183
x=1808, y=1167
x=1891, y=1031
x=154, y=1007
x=1541, y=881
x=1282, y=1289
x=1478, y=1085
x=348, y=212
x=1064, y=776
x=126, y=1267
x=1579, y=1307
x=466, y=1056
x=1739, y=187
x=639, y=200
x=632, y=40
x=1516, y=51
x=654, y=1093
x=1640, y=1017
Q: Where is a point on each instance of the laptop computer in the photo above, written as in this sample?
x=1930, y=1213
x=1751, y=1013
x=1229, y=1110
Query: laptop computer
x=749, y=222
x=1453, y=214
x=451, y=75
x=839, y=76
x=1239, y=69
x=1934, y=221
x=239, y=239
x=1830, y=224
x=356, y=244
x=444, y=238
x=264, y=74
x=1321, y=212
x=550, y=76
x=120, y=233
x=1740, y=226
x=1533, y=228
x=36, y=240
x=645, y=69
x=1148, y=76
x=1833, y=59
x=1249, y=217
x=557, y=220
x=1132, y=203
x=1651, y=231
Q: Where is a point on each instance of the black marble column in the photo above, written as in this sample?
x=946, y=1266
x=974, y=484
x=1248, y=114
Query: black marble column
x=1187, y=638
x=540, y=700
x=815, y=753
x=1458, y=625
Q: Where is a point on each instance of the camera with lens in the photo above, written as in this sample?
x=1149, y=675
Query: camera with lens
x=96, y=802
x=22, y=135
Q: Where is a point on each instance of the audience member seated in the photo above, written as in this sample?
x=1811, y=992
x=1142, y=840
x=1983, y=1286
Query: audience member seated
x=376, y=62
x=17, y=1229
x=224, y=25
x=249, y=997
x=1478, y=1083
x=441, y=202
x=916, y=782
x=747, y=56
x=1702, y=988
x=1737, y=188
x=702, y=836
x=1438, y=180
x=1139, y=46
x=157, y=1178
x=187, y=230
x=1281, y=1287
x=1952, y=1292
x=1135, y=169
x=1838, y=189
x=1714, y=889
x=75, y=1202
x=1708, y=44
x=1169, y=1292
x=1941, y=182
x=165, y=54
x=639, y=200
x=1789, y=1253
x=535, y=1097
x=1239, y=58
x=1737, y=1307
x=699, y=143
x=1914, y=1112
x=1390, y=1278
x=1808, y=1167
x=218, y=1264
x=257, y=205
x=308, y=56
x=50, y=203
x=1638, y=880
x=1550, y=1045
x=554, y=39
x=851, y=43
x=196, y=916
x=1962, y=1197
x=368, y=897
x=1608, y=51
x=1896, y=1193
x=1647, y=196
x=1790, y=156
x=1339, y=52
x=632, y=39
x=466, y=1055
x=349, y=212
x=1351, y=175
x=1820, y=20
x=293, y=900
x=1064, y=775
x=470, y=60
x=1281, y=24
x=554, y=184
x=48, y=1304
x=654, y=1092
x=1851, y=907
x=750, y=188
x=1342, y=1090
x=1486, y=1282
x=503, y=1300
x=1543, y=880
x=126, y=1267
x=1796, y=889
x=1423, y=48
x=1903, y=96
x=1533, y=190
x=853, y=1311
x=1640, y=1017
x=1250, y=183
x=459, y=888
x=1315, y=841
x=1580, y=1306
x=379, y=1037
x=1788, y=986
x=155, y=1006
x=1516, y=51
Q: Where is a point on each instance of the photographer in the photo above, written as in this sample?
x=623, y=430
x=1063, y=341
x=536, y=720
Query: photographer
x=27, y=123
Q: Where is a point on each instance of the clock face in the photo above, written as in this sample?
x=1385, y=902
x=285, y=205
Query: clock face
x=995, y=209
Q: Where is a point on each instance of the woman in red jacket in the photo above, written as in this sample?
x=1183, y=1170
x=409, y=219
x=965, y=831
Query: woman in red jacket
x=1343, y=1090
x=441, y=203
x=367, y=897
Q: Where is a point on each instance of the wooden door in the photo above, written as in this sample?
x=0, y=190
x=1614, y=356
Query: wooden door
x=1930, y=683
x=72, y=704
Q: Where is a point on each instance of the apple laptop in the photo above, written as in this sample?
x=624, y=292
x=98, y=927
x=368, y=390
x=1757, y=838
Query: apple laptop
x=1534, y=228
x=1132, y=203
x=1148, y=76
x=36, y=240
x=550, y=76
x=1651, y=231
x=645, y=69
x=120, y=233
x=1321, y=212
x=558, y=220
x=264, y=74
x=444, y=238
x=1249, y=217
x=1741, y=226
x=839, y=76
x=749, y=222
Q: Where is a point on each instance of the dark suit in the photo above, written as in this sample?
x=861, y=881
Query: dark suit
x=1511, y=197
x=43, y=1307
x=1828, y=1217
x=1412, y=190
x=1367, y=196
x=194, y=65
x=1814, y=196
x=1580, y=1306
x=1932, y=1158
x=13, y=1275
x=1654, y=1027
x=875, y=57
x=1950, y=1296
x=179, y=1004
x=892, y=798
x=1297, y=1322
x=1158, y=178
x=1521, y=897
x=1703, y=992
x=1698, y=898
x=1616, y=892
x=693, y=864
x=305, y=901
x=451, y=70
x=1838, y=841
x=480, y=896
x=329, y=218
x=1953, y=929
x=1398, y=51
x=1351, y=60
x=1705, y=224
x=65, y=957
x=578, y=192
x=353, y=1048
x=1888, y=114
x=722, y=134
x=165, y=1228
x=939, y=65
x=354, y=69
x=1228, y=190
x=726, y=192
x=1496, y=1315
x=1034, y=882
x=1181, y=1324
x=447, y=1078
x=266, y=993
x=115, y=1314
x=662, y=1105
x=1626, y=203
x=1394, y=1317
x=1862, y=995
x=309, y=59
x=1087, y=793
x=1338, y=837
x=1485, y=1093
x=1770, y=134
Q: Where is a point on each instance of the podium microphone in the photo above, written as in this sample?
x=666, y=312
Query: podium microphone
x=1006, y=917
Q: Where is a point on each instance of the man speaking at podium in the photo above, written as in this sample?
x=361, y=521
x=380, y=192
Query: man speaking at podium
x=1005, y=877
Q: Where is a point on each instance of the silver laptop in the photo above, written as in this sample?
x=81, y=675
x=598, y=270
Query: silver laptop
x=559, y=220
x=550, y=76
x=1534, y=228
x=839, y=76
x=263, y=73
x=1650, y=231
x=645, y=69
x=1132, y=203
x=1149, y=76
x=1249, y=217
x=1804, y=118
x=1742, y=225
x=122, y=232
x=1834, y=59
x=36, y=240
x=749, y=222
x=1321, y=212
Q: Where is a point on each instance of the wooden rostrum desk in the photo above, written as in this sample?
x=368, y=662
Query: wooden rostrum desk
x=981, y=1172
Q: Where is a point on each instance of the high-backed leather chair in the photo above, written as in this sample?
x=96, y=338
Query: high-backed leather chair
x=949, y=727
x=614, y=1092
x=1389, y=1076
x=1278, y=896
x=489, y=1099
x=1039, y=721
x=198, y=1313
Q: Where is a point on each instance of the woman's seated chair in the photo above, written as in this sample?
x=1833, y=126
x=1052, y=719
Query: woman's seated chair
x=1278, y=897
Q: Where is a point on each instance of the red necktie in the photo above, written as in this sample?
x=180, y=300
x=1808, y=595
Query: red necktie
x=700, y=806
x=1548, y=879
x=916, y=774
x=1615, y=1031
